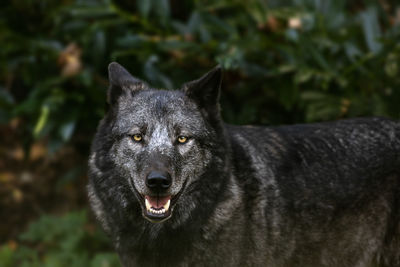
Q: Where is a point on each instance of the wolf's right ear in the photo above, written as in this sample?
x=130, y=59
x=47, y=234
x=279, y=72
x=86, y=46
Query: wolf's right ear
x=121, y=83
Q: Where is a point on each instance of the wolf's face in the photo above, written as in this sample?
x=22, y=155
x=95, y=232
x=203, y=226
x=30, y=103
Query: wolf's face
x=161, y=138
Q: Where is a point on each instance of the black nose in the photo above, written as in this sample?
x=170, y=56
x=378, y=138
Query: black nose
x=158, y=180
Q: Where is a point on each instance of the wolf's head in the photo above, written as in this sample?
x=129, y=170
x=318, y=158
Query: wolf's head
x=160, y=142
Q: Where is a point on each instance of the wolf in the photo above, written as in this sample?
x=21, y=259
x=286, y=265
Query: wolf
x=173, y=185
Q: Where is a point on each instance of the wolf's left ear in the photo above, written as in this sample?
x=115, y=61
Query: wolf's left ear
x=206, y=90
x=121, y=83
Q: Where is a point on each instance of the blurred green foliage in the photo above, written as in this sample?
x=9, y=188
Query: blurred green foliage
x=65, y=241
x=285, y=61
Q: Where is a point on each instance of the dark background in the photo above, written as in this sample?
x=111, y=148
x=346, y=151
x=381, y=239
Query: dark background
x=285, y=61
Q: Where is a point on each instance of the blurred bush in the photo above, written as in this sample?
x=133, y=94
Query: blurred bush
x=67, y=241
x=285, y=61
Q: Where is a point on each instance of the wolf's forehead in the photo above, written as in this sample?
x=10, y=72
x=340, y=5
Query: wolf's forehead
x=155, y=106
x=159, y=101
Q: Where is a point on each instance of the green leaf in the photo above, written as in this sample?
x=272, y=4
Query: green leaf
x=286, y=68
x=144, y=7
x=105, y=260
x=352, y=50
x=6, y=99
x=372, y=31
x=292, y=35
x=66, y=130
x=392, y=65
x=6, y=256
x=162, y=9
x=303, y=75
x=43, y=118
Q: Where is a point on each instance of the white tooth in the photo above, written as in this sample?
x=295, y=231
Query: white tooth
x=166, y=206
x=154, y=211
x=148, y=206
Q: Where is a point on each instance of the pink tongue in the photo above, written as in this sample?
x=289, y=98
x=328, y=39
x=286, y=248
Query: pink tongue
x=158, y=202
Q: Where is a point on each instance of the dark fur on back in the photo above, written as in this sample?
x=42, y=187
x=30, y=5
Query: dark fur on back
x=325, y=194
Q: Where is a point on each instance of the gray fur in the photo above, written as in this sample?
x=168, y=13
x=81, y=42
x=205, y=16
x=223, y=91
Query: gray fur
x=324, y=194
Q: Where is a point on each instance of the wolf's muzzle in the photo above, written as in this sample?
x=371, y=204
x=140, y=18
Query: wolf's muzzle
x=157, y=203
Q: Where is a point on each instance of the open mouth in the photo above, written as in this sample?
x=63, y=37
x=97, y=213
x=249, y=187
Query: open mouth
x=157, y=207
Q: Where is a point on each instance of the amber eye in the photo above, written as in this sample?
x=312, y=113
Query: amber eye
x=137, y=137
x=182, y=139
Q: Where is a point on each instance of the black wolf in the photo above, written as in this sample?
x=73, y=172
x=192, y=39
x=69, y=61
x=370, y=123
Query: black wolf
x=172, y=185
